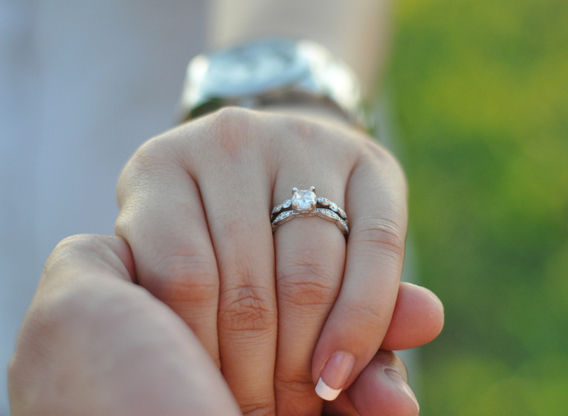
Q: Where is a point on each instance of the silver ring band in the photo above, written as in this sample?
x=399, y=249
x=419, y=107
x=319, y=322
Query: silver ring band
x=305, y=203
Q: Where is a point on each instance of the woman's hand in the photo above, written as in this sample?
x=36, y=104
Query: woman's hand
x=276, y=312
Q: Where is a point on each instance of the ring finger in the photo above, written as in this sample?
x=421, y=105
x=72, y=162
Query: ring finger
x=310, y=254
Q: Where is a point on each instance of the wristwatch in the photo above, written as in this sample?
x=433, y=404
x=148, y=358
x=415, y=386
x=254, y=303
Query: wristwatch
x=267, y=72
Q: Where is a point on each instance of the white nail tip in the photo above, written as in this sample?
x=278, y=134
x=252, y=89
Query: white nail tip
x=326, y=392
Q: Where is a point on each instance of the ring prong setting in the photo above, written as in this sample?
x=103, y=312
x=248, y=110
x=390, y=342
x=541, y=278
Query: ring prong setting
x=304, y=200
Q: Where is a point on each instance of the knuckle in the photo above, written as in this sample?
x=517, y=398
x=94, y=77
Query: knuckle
x=314, y=142
x=149, y=156
x=379, y=153
x=152, y=159
x=258, y=409
x=303, y=128
x=386, y=163
x=72, y=247
x=78, y=242
x=315, y=135
x=294, y=383
x=383, y=236
x=247, y=307
x=231, y=116
x=307, y=284
x=185, y=278
x=124, y=224
x=368, y=315
x=233, y=127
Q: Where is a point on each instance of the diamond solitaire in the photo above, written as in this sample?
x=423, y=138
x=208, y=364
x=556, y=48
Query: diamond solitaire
x=303, y=200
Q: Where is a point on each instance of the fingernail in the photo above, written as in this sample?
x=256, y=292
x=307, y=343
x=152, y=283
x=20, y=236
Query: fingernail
x=401, y=384
x=334, y=375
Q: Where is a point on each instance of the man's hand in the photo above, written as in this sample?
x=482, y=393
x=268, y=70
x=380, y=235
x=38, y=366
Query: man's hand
x=95, y=344
x=195, y=206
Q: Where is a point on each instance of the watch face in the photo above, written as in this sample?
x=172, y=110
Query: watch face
x=253, y=68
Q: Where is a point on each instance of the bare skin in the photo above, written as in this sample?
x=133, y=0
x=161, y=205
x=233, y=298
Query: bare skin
x=194, y=206
x=94, y=343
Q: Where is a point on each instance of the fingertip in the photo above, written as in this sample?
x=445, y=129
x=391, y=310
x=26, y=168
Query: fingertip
x=334, y=375
x=433, y=308
x=437, y=311
x=325, y=392
x=418, y=318
x=383, y=385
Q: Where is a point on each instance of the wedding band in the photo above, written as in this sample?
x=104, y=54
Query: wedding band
x=305, y=203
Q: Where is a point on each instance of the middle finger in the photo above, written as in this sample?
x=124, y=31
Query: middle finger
x=236, y=193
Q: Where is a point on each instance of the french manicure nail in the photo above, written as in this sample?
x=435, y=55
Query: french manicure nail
x=334, y=375
x=400, y=383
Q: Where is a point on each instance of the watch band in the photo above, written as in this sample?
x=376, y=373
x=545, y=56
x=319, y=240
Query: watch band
x=313, y=76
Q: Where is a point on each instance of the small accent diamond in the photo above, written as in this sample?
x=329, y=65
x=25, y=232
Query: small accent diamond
x=287, y=204
x=282, y=216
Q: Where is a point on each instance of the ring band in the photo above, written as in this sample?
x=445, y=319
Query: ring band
x=305, y=203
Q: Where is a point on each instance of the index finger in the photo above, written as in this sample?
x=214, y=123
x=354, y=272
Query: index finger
x=163, y=220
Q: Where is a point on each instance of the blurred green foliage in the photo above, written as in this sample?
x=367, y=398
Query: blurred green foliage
x=481, y=104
